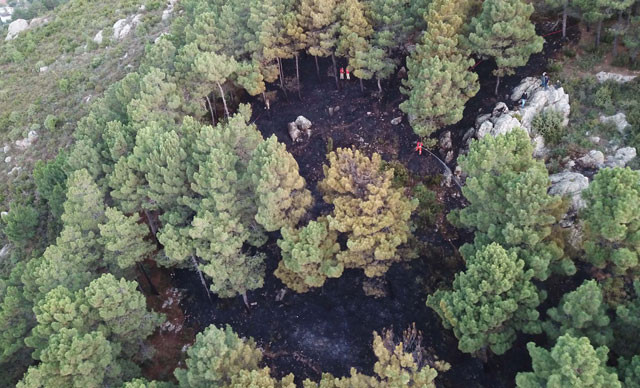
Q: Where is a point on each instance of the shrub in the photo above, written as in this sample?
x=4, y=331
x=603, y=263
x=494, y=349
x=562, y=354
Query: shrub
x=50, y=122
x=549, y=125
x=603, y=98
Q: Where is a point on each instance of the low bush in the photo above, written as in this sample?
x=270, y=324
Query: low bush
x=549, y=125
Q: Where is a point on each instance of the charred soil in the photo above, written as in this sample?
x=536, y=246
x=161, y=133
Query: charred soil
x=330, y=329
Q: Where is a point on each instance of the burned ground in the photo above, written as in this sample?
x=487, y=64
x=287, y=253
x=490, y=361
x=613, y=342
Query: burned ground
x=330, y=329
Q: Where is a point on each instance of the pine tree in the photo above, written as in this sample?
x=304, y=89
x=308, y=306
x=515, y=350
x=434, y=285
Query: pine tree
x=73, y=360
x=319, y=20
x=565, y=5
x=396, y=367
x=629, y=371
x=632, y=39
x=509, y=204
x=50, y=179
x=21, y=224
x=490, y=302
x=612, y=222
x=571, y=363
x=142, y=383
x=16, y=319
x=374, y=215
x=120, y=311
x=216, y=356
x=217, y=229
x=260, y=378
x=503, y=31
x=308, y=256
x=281, y=194
x=123, y=239
x=215, y=69
x=439, y=83
x=355, y=29
x=581, y=313
x=627, y=324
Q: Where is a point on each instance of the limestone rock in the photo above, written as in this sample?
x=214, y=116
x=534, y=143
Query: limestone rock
x=303, y=123
x=8, y=159
x=594, y=159
x=37, y=22
x=396, y=121
x=482, y=118
x=43, y=69
x=484, y=129
x=294, y=132
x=448, y=157
x=166, y=14
x=504, y=124
x=499, y=109
x=15, y=170
x=621, y=78
x=98, y=38
x=26, y=142
x=445, y=141
x=539, y=148
x=621, y=158
x=123, y=27
x=6, y=148
x=569, y=184
x=528, y=85
x=619, y=120
x=16, y=27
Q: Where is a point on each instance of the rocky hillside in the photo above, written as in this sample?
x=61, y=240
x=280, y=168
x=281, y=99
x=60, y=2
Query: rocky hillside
x=53, y=66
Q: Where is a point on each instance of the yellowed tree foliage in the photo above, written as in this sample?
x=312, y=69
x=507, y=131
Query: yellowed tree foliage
x=374, y=215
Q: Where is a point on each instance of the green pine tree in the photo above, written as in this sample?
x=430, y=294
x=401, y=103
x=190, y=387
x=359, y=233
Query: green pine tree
x=490, y=302
x=504, y=32
x=571, y=363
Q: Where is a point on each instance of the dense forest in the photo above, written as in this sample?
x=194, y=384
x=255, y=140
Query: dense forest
x=320, y=194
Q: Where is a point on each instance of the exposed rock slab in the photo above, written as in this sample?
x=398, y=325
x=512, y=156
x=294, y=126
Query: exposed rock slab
x=569, y=184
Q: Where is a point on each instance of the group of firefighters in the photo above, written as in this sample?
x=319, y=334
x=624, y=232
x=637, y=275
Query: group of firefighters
x=342, y=73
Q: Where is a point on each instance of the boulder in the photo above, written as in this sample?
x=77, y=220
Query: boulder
x=499, y=109
x=539, y=148
x=8, y=159
x=619, y=120
x=303, y=123
x=294, y=132
x=484, y=129
x=621, y=78
x=98, y=38
x=445, y=141
x=120, y=29
x=6, y=148
x=43, y=69
x=448, y=157
x=569, y=184
x=595, y=139
x=396, y=121
x=16, y=27
x=15, y=170
x=37, y=22
x=594, y=159
x=26, y=142
x=528, y=85
x=621, y=158
x=504, y=124
x=481, y=119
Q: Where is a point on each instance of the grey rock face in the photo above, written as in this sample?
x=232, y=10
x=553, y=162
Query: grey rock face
x=569, y=184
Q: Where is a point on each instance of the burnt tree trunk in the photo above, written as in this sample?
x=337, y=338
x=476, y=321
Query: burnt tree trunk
x=317, y=67
x=298, y=76
x=335, y=70
x=564, y=18
x=212, y=110
x=153, y=288
x=204, y=284
x=497, y=84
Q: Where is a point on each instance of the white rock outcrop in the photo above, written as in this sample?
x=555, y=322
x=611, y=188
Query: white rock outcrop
x=594, y=159
x=27, y=141
x=98, y=38
x=569, y=184
x=619, y=120
x=123, y=27
x=621, y=158
x=166, y=14
x=621, y=78
x=16, y=27
x=502, y=120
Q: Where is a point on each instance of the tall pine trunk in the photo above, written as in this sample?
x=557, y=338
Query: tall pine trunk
x=617, y=34
x=564, y=18
x=317, y=67
x=224, y=100
x=152, y=224
x=497, y=84
x=598, y=31
x=204, y=284
x=379, y=86
x=213, y=114
x=153, y=288
x=281, y=70
x=361, y=85
x=298, y=77
x=335, y=70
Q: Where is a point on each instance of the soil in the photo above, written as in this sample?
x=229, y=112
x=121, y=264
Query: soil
x=330, y=329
